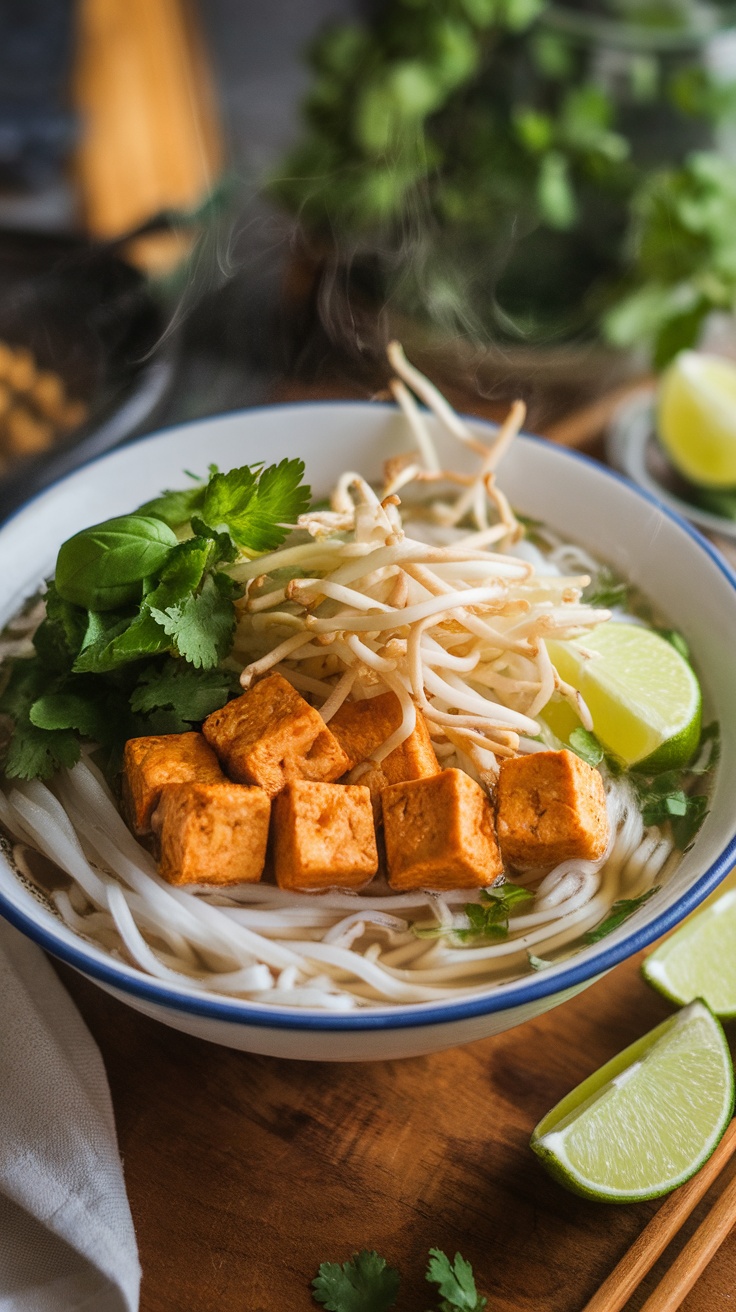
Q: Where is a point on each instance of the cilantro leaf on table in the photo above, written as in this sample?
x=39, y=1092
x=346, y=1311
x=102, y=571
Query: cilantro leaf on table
x=201, y=626
x=620, y=911
x=364, y=1284
x=253, y=503
x=455, y=1281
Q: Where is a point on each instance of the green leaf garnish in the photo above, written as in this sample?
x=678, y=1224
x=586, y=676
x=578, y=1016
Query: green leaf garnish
x=32, y=752
x=201, y=627
x=585, y=745
x=606, y=590
x=620, y=911
x=103, y=567
x=252, y=504
x=364, y=1284
x=489, y=918
x=455, y=1282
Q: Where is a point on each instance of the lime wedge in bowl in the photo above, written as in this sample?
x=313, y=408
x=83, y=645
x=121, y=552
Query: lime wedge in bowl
x=648, y=1119
x=699, y=960
x=643, y=696
x=696, y=418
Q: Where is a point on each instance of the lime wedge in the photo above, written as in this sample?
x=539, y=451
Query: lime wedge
x=699, y=961
x=648, y=1119
x=642, y=695
x=696, y=418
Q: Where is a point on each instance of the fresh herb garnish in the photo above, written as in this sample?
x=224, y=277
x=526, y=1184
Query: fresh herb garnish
x=585, y=745
x=367, y=1284
x=489, y=918
x=620, y=911
x=138, y=621
x=364, y=1284
x=676, y=640
x=606, y=590
x=455, y=1281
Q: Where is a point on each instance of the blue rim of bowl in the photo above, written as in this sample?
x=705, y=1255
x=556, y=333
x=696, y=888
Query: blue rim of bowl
x=535, y=988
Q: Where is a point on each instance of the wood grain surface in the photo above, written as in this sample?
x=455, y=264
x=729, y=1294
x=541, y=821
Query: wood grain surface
x=245, y=1172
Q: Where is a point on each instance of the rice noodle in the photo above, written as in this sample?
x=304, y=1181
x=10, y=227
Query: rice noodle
x=455, y=628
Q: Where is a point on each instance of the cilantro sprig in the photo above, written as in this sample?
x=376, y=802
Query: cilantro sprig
x=140, y=617
x=488, y=918
x=367, y=1283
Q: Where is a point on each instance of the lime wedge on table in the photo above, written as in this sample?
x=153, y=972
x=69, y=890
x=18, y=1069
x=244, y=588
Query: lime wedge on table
x=642, y=695
x=699, y=960
x=696, y=418
x=648, y=1119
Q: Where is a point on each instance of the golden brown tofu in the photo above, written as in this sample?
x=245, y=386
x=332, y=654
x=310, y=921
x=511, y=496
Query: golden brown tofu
x=212, y=833
x=439, y=833
x=324, y=837
x=550, y=806
x=149, y=763
x=363, y=726
x=271, y=737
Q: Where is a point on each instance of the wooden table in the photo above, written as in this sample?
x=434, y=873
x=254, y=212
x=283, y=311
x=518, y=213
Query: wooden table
x=245, y=1172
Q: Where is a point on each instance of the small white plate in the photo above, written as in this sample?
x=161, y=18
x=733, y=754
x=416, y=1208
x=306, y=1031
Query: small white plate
x=632, y=448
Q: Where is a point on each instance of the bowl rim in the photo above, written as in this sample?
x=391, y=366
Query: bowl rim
x=532, y=989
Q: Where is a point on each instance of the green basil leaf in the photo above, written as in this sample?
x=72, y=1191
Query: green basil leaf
x=103, y=567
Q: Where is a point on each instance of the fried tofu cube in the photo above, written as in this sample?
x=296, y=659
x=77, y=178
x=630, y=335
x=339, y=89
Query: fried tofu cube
x=324, y=837
x=171, y=758
x=439, y=833
x=272, y=737
x=550, y=807
x=214, y=833
x=363, y=726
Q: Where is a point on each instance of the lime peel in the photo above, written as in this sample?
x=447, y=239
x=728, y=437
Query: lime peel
x=696, y=418
x=699, y=960
x=644, y=698
x=648, y=1119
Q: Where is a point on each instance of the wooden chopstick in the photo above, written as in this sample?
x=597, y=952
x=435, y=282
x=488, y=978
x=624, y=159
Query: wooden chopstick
x=696, y=1254
x=651, y=1243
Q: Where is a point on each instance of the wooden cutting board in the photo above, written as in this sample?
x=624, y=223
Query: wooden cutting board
x=245, y=1172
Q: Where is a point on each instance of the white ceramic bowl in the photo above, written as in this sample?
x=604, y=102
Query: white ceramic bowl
x=689, y=583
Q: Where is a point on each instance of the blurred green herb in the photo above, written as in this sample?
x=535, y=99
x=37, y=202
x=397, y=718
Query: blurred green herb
x=480, y=124
x=585, y=745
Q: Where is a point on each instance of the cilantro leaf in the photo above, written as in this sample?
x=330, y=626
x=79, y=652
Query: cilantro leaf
x=252, y=503
x=663, y=798
x=488, y=918
x=33, y=752
x=364, y=1284
x=60, y=635
x=455, y=1281
x=585, y=745
x=620, y=911
x=686, y=826
x=201, y=626
x=175, y=508
x=187, y=695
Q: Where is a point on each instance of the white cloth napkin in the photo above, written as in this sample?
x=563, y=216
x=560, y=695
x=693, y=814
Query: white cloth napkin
x=66, y=1234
